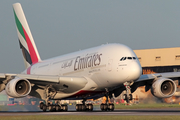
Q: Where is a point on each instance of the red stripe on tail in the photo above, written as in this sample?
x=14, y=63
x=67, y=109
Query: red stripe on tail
x=32, y=51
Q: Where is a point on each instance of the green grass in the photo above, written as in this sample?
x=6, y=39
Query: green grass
x=77, y=117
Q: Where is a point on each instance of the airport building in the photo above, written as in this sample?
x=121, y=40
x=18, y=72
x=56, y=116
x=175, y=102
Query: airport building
x=159, y=60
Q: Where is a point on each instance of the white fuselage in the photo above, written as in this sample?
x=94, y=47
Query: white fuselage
x=105, y=67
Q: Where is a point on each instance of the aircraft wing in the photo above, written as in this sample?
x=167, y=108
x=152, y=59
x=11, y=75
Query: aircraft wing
x=2, y=75
x=171, y=75
x=72, y=82
x=6, y=76
x=32, y=78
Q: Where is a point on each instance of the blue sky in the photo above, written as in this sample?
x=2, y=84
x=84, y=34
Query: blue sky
x=64, y=26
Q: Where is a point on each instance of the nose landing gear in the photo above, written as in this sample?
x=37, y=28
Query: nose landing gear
x=128, y=96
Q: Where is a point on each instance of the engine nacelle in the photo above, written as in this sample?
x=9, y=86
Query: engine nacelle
x=18, y=88
x=163, y=88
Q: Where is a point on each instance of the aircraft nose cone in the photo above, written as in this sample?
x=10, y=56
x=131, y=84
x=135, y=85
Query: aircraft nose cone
x=135, y=71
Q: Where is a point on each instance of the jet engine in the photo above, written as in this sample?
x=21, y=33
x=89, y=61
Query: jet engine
x=18, y=88
x=163, y=88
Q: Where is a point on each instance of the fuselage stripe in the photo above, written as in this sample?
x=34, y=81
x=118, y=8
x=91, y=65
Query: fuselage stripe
x=29, y=70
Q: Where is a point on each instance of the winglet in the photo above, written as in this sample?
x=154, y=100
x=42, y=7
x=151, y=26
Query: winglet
x=27, y=44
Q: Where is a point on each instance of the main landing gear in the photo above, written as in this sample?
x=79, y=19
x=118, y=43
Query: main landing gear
x=84, y=107
x=107, y=106
x=53, y=107
x=50, y=93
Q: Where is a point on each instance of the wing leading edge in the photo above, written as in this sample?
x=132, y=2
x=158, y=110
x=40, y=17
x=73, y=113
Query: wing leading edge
x=71, y=84
x=171, y=75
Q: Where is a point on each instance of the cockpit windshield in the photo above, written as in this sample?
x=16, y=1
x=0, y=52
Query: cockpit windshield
x=127, y=58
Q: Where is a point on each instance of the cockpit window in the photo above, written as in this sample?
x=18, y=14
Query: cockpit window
x=121, y=58
x=134, y=58
x=127, y=58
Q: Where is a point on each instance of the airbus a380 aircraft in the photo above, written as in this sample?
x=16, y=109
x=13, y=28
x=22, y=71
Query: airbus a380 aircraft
x=105, y=70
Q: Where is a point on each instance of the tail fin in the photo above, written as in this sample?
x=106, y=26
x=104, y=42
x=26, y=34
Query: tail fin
x=27, y=44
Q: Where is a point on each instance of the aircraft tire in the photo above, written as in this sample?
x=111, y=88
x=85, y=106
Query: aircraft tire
x=41, y=105
x=50, y=108
x=58, y=108
x=77, y=107
x=102, y=107
x=90, y=107
x=111, y=107
x=83, y=107
x=130, y=97
x=105, y=107
x=44, y=108
x=125, y=97
x=64, y=107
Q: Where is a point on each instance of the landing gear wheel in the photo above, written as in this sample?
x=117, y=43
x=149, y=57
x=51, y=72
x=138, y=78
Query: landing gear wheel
x=111, y=107
x=44, y=108
x=50, y=108
x=105, y=107
x=125, y=97
x=80, y=107
x=83, y=107
x=90, y=107
x=102, y=107
x=77, y=107
x=130, y=97
x=64, y=107
x=41, y=105
x=58, y=108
